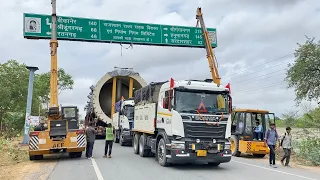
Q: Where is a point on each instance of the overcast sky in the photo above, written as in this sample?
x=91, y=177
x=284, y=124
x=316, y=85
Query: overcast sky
x=256, y=40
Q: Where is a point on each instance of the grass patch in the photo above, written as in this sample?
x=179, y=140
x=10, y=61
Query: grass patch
x=12, y=152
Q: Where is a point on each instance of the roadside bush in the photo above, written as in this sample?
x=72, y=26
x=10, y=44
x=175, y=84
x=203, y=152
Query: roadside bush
x=309, y=150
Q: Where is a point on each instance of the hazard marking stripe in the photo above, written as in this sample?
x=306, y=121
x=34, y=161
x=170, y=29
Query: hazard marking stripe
x=81, y=140
x=34, y=143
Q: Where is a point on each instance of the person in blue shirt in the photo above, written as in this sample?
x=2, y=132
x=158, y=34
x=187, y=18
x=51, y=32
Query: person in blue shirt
x=258, y=131
x=271, y=140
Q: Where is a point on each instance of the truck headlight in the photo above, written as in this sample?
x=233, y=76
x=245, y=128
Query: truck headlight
x=227, y=146
x=177, y=145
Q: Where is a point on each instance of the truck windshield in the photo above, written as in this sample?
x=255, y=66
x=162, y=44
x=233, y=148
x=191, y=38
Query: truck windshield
x=201, y=102
x=129, y=112
x=69, y=112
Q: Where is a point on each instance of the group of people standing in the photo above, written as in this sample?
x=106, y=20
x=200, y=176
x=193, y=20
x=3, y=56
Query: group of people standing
x=271, y=138
x=91, y=136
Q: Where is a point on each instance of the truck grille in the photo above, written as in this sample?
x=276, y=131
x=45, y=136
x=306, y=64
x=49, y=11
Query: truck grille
x=204, y=131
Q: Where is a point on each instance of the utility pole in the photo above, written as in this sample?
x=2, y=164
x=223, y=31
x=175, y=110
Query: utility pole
x=29, y=104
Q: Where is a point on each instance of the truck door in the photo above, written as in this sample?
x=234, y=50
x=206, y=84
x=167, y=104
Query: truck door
x=164, y=115
x=248, y=131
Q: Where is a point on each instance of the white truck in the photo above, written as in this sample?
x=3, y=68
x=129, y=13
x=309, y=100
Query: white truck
x=122, y=121
x=183, y=122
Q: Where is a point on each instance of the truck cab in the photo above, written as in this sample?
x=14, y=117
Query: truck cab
x=187, y=122
x=123, y=121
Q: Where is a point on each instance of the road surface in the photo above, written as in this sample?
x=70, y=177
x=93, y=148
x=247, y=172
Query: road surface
x=125, y=165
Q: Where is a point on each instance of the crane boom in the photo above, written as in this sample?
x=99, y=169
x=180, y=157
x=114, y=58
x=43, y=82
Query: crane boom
x=210, y=54
x=54, y=60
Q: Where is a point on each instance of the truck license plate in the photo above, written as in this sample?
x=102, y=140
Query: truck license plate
x=202, y=153
x=57, y=145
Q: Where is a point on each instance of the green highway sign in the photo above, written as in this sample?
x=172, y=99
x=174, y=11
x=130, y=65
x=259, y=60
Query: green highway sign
x=38, y=26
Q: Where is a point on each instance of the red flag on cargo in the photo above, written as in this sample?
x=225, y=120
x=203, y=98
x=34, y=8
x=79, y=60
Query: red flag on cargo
x=228, y=86
x=171, y=83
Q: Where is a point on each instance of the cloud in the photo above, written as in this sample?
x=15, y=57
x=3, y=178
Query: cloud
x=250, y=35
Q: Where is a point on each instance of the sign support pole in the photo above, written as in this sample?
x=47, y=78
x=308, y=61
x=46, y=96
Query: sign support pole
x=29, y=104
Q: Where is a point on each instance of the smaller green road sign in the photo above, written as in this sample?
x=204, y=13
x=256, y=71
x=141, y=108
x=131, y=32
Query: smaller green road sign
x=38, y=26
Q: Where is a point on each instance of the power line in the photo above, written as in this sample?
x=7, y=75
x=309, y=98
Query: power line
x=260, y=65
x=262, y=87
x=250, y=80
x=258, y=70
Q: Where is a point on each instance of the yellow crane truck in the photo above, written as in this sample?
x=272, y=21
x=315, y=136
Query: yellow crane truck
x=62, y=133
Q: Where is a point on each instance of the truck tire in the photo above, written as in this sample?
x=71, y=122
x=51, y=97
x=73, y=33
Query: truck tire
x=39, y=157
x=142, y=151
x=32, y=158
x=136, y=143
x=235, y=146
x=78, y=154
x=161, y=153
x=259, y=155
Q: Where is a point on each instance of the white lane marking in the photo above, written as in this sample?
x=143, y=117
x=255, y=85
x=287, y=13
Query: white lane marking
x=96, y=169
x=274, y=170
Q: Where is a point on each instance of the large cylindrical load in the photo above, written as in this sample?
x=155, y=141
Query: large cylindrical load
x=111, y=87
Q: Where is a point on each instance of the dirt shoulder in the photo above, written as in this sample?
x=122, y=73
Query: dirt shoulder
x=15, y=162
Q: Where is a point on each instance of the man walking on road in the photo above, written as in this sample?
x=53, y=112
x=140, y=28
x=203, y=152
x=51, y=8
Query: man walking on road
x=90, y=136
x=109, y=141
x=287, y=146
x=271, y=140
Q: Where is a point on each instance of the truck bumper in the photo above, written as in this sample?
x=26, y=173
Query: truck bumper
x=56, y=151
x=180, y=156
x=127, y=137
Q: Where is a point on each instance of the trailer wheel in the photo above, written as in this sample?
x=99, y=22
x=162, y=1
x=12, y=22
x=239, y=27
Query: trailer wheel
x=142, y=151
x=161, y=153
x=136, y=143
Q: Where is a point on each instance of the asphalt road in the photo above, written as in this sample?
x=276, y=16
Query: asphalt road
x=125, y=165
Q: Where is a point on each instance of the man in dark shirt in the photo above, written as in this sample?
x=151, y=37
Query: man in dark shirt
x=90, y=136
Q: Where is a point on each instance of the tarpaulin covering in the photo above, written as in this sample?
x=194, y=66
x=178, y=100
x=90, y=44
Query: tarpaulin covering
x=122, y=72
x=148, y=94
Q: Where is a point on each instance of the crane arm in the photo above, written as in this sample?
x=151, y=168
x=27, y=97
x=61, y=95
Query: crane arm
x=210, y=54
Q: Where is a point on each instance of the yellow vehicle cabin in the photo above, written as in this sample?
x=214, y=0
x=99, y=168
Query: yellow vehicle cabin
x=248, y=131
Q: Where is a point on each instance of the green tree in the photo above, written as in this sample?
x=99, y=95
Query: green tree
x=42, y=84
x=303, y=75
x=14, y=78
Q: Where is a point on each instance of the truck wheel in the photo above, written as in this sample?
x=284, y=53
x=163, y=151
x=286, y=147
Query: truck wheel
x=78, y=154
x=136, y=143
x=32, y=158
x=161, y=153
x=259, y=155
x=142, y=151
x=235, y=146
